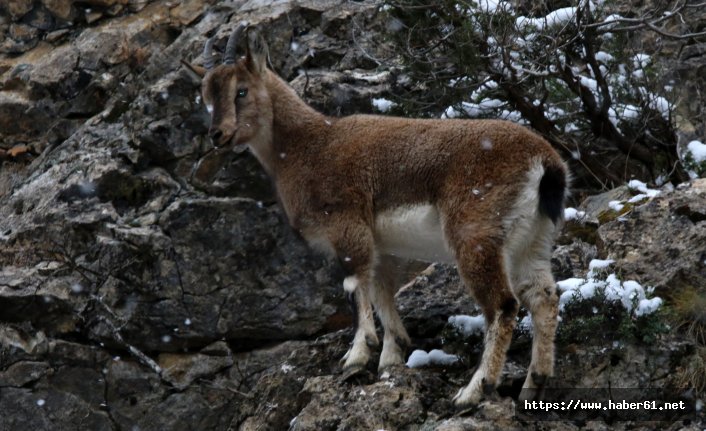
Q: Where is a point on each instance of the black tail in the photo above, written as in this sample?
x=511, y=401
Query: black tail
x=552, y=192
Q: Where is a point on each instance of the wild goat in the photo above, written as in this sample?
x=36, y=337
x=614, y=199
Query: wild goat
x=485, y=194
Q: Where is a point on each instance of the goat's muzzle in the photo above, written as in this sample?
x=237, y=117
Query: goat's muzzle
x=221, y=136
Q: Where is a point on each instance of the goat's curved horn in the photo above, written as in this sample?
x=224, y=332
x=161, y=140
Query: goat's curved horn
x=208, y=54
x=230, y=54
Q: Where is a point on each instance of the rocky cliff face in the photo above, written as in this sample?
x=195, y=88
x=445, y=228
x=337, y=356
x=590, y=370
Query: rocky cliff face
x=150, y=282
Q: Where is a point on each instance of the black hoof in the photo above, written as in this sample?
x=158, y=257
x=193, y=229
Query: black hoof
x=488, y=390
x=539, y=379
x=465, y=409
x=531, y=394
x=354, y=372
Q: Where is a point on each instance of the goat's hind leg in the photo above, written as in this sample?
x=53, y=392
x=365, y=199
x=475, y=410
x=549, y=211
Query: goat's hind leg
x=482, y=268
x=533, y=283
x=538, y=294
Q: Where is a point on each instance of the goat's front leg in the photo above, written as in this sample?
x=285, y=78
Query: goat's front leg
x=356, y=359
x=354, y=245
x=390, y=274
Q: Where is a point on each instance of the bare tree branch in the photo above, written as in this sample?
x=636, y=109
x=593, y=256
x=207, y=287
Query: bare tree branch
x=647, y=22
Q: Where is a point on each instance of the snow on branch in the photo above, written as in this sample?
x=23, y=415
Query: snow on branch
x=648, y=21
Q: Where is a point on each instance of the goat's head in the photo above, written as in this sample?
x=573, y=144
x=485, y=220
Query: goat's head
x=235, y=92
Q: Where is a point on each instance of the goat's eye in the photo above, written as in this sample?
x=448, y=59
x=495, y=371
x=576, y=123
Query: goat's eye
x=242, y=93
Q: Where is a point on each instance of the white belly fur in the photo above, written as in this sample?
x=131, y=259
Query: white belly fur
x=412, y=232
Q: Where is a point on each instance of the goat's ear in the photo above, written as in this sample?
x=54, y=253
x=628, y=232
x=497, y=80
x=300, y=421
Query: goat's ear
x=195, y=72
x=257, y=52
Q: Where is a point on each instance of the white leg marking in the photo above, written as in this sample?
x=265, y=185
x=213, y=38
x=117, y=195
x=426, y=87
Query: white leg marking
x=350, y=283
